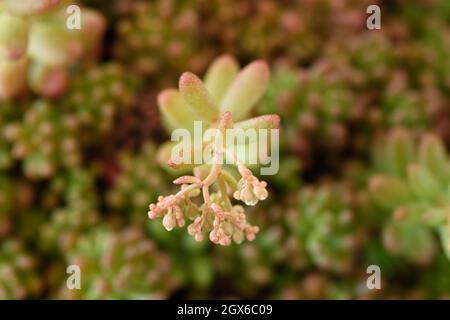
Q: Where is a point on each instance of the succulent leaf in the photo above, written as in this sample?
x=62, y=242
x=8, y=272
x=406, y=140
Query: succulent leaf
x=220, y=75
x=198, y=97
x=246, y=89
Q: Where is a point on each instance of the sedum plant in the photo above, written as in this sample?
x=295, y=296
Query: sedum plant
x=7, y=195
x=98, y=95
x=152, y=47
x=412, y=183
x=74, y=209
x=315, y=109
x=225, y=96
x=10, y=112
x=19, y=278
x=328, y=224
x=139, y=178
x=45, y=140
x=119, y=265
x=38, y=50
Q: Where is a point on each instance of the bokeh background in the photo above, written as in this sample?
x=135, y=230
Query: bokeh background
x=79, y=130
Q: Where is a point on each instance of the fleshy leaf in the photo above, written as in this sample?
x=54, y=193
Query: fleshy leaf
x=28, y=7
x=52, y=45
x=268, y=121
x=13, y=37
x=196, y=94
x=220, y=75
x=12, y=78
x=248, y=87
x=265, y=122
x=389, y=191
x=411, y=240
x=164, y=155
x=433, y=157
x=400, y=151
x=47, y=81
x=423, y=183
x=444, y=233
x=176, y=113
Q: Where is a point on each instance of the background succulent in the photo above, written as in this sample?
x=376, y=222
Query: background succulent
x=153, y=47
x=19, y=276
x=35, y=40
x=412, y=186
x=82, y=129
x=120, y=265
x=45, y=140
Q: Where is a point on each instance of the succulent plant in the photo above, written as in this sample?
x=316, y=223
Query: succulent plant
x=9, y=112
x=226, y=95
x=16, y=200
x=119, y=265
x=140, y=180
x=411, y=184
x=73, y=207
x=316, y=286
x=35, y=40
x=255, y=266
x=371, y=55
x=319, y=228
x=198, y=273
x=19, y=277
x=81, y=141
x=151, y=46
x=315, y=108
x=97, y=97
x=273, y=24
x=328, y=224
x=7, y=196
x=45, y=141
x=436, y=280
x=137, y=124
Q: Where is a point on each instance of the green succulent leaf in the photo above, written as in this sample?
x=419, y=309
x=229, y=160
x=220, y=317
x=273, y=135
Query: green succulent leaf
x=389, y=191
x=433, y=157
x=400, y=152
x=197, y=96
x=423, y=183
x=246, y=89
x=413, y=241
x=444, y=233
x=30, y=7
x=175, y=111
x=52, y=44
x=13, y=37
x=12, y=77
x=220, y=75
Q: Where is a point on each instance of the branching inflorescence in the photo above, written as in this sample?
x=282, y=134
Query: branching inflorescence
x=226, y=95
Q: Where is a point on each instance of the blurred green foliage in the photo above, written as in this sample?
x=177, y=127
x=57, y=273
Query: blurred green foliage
x=78, y=151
